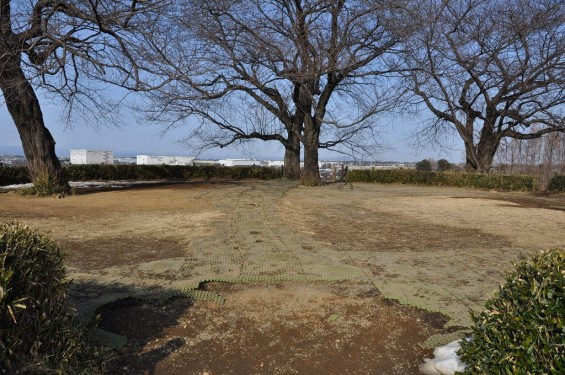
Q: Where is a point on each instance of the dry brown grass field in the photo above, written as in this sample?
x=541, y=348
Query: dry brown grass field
x=339, y=279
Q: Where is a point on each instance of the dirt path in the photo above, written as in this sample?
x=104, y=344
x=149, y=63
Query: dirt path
x=301, y=272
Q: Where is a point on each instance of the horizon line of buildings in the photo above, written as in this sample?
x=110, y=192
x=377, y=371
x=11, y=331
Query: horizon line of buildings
x=86, y=156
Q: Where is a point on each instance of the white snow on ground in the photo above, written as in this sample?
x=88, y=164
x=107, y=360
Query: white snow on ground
x=446, y=360
x=14, y=187
x=87, y=184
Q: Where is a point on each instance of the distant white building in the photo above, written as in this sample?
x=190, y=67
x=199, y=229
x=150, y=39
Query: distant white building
x=240, y=162
x=92, y=157
x=275, y=163
x=353, y=167
x=168, y=160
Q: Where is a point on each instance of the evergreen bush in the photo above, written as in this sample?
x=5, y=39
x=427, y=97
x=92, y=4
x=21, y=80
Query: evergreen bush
x=105, y=172
x=38, y=333
x=522, y=330
x=444, y=165
x=14, y=175
x=556, y=183
x=424, y=165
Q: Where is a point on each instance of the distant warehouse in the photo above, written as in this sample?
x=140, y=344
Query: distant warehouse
x=92, y=157
x=240, y=162
x=168, y=160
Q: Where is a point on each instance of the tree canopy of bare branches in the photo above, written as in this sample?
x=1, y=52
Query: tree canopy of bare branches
x=305, y=73
x=490, y=70
x=63, y=46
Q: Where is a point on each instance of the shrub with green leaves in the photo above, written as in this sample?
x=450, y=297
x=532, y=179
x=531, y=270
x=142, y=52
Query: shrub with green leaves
x=38, y=332
x=14, y=175
x=167, y=172
x=455, y=179
x=424, y=165
x=444, y=165
x=556, y=183
x=522, y=330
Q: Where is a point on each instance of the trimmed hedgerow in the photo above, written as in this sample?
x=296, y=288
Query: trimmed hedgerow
x=14, y=175
x=106, y=172
x=38, y=332
x=455, y=179
x=556, y=183
x=167, y=172
x=522, y=330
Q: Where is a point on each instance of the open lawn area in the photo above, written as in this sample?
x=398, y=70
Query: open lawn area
x=273, y=278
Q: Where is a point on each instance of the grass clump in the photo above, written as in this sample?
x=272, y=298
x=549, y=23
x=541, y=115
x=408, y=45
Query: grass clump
x=38, y=331
x=522, y=330
x=45, y=185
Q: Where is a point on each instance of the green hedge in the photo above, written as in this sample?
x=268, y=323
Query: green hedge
x=522, y=329
x=557, y=183
x=167, y=172
x=14, y=175
x=20, y=175
x=455, y=179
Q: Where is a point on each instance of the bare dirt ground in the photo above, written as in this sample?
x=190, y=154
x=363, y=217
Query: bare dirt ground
x=290, y=279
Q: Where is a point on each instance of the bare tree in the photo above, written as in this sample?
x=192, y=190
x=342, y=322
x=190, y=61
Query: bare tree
x=61, y=46
x=490, y=70
x=313, y=68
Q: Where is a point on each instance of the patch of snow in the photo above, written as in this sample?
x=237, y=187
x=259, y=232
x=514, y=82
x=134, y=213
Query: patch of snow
x=18, y=186
x=446, y=361
x=86, y=184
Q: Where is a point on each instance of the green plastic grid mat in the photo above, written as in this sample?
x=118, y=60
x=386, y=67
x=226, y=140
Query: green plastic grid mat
x=98, y=295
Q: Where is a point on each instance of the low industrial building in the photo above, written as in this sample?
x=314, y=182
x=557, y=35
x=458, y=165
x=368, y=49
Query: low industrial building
x=92, y=157
x=167, y=160
x=240, y=162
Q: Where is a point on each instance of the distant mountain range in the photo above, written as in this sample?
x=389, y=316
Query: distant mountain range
x=11, y=150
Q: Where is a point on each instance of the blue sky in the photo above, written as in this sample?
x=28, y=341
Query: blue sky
x=132, y=139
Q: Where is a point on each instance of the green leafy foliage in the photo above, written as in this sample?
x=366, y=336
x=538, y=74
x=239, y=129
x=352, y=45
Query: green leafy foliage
x=556, y=183
x=14, y=175
x=38, y=333
x=444, y=165
x=106, y=172
x=522, y=330
x=455, y=179
x=424, y=165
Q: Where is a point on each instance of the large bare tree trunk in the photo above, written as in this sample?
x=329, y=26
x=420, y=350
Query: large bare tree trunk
x=37, y=141
x=479, y=158
x=311, y=173
x=292, y=157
